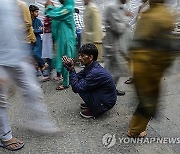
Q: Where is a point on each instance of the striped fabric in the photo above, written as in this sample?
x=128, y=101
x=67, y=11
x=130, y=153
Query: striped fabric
x=134, y=6
x=78, y=21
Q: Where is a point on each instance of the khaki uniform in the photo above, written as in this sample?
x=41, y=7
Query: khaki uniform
x=93, y=28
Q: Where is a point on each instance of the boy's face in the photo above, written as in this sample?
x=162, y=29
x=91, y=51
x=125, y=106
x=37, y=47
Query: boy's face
x=85, y=59
x=35, y=13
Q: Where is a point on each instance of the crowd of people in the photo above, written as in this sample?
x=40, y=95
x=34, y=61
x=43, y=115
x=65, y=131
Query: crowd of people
x=132, y=45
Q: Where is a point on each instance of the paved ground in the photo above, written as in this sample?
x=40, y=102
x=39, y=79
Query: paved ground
x=102, y=135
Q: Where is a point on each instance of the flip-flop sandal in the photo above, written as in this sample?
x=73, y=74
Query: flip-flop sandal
x=57, y=78
x=141, y=135
x=8, y=147
x=129, y=81
x=62, y=87
x=44, y=79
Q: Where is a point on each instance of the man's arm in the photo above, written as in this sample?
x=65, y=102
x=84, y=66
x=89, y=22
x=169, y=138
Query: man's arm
x=28, y=22
x=114, y=21
x=39, y=28
x=89, y=83
x=61, y=13
x=80, y=74
x=79, y=82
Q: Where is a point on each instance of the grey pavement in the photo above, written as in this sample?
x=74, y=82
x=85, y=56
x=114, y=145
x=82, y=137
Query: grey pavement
x=106, y=134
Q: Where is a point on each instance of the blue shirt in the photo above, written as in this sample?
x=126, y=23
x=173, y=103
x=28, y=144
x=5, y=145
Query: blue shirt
x=95, y=79
x=37, y=26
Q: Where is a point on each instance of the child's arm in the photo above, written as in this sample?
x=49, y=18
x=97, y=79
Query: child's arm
x=39, y=28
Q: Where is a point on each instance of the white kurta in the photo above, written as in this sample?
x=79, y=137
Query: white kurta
x=47, y=46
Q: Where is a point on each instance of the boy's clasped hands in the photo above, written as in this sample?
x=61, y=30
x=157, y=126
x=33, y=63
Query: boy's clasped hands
x=68, y=63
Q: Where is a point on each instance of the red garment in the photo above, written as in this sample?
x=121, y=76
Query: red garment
x=47, y=25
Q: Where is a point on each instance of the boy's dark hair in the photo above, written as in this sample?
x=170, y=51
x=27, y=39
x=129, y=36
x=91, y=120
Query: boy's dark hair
x=76, y=10
x=89, y=49
x=33, y=8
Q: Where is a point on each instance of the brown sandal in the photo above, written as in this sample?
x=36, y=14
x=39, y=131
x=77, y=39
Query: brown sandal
x=57, y=78
x=9, y=144
x=141, y=135
x=44, y=79
x=61, y=87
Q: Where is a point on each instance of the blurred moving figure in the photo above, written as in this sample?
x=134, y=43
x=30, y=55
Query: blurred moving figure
x=14, y=65
x=116, y=40
x=92, y=26
x=136, y=7
x=137, y=10
x=65, y=36
x=30, y=36
x=150, y=57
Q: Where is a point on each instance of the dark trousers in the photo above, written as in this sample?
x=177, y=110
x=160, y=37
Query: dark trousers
x=48, y=71
x=37, y=56
x=38, y=59
x=96, y=107
x=78, y=33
